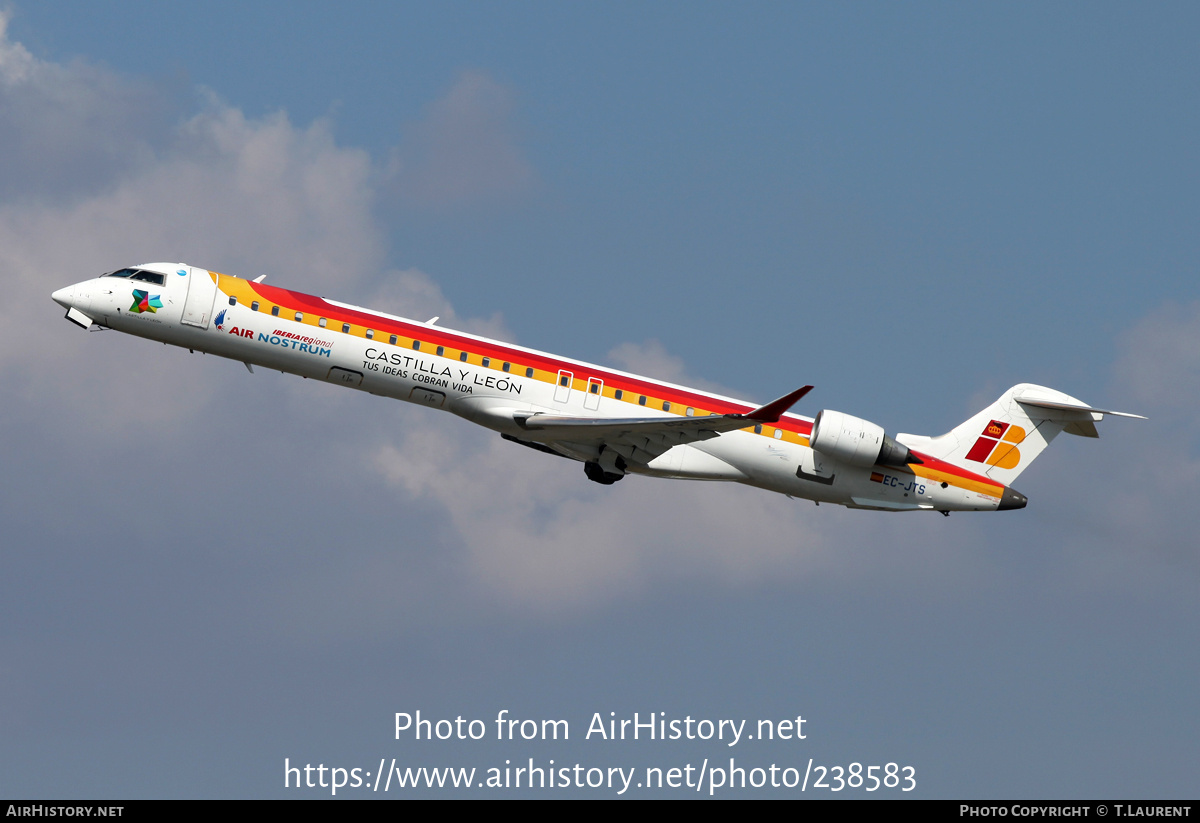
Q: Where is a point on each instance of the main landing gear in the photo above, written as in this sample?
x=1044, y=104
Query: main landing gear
x=607, y=470
x=597, y=474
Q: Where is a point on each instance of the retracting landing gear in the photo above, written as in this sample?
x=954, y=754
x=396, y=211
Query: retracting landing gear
x=607, y=470
x=598, y=475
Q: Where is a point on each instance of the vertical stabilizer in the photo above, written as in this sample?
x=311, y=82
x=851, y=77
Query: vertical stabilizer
x=1003, y=439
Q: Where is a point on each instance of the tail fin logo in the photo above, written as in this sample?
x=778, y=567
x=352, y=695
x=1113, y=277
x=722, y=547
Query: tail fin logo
x=997, y=445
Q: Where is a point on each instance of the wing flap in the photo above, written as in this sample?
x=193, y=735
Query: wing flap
x=670, y=431
x=641, y=439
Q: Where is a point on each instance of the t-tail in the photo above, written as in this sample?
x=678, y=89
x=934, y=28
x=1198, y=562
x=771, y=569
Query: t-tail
x=1003, y=439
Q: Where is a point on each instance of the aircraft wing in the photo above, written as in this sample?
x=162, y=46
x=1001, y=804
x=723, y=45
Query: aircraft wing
x=644, y=438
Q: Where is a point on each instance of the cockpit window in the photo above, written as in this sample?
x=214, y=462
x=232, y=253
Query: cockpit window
x=139, y=274
x=149, y=277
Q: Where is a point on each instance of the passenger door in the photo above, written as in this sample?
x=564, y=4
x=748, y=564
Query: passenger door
x=202, y=292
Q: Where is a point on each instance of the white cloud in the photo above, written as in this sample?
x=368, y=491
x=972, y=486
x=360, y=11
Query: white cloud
x=1125, y=502
x=69, y=129
x=652, y=359
x=231, y=194
x=17, y=65
x=536, y=533
x=413, y=294
x=465, y=150
x=1160, y=362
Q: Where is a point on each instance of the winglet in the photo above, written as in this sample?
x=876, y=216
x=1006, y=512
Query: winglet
x=775, y=409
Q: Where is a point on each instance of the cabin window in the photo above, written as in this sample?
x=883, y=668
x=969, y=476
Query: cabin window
x=487, y=361
x=690, y=412
x=345, y=328
x=529, y=371
x=441, y=350
x=778, y=434
x=506, y=367
x=666, y=405
x=392, y=339
x=618, y=394
x=564, y=380
x=275, y=311
x=642, y=400
x=233, y=301
x=758, y=428
x=321, y=322
x=370, y=334
x=254, y=306
x=299, y=317
x=150, y=277
x=416, y=345
x=462, y=355
x=594, y=388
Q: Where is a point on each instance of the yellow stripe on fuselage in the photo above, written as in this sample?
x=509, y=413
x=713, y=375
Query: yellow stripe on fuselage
x=937, y=476
x=246, y=295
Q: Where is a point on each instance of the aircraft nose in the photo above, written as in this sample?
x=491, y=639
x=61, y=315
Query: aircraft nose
x=64, y=297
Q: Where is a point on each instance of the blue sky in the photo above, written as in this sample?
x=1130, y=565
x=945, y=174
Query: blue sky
x=911, y=208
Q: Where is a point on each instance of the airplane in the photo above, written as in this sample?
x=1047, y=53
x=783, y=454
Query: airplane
x=614, y=422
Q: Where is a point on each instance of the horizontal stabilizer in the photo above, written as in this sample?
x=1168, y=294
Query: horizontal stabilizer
x=1034, y=399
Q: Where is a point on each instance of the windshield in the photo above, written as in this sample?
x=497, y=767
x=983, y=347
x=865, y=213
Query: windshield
x=139, y=274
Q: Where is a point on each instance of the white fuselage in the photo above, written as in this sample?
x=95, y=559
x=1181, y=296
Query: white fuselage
x=488, y=382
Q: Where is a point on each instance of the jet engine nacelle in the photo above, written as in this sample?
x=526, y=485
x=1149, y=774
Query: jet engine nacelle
x=856, y=441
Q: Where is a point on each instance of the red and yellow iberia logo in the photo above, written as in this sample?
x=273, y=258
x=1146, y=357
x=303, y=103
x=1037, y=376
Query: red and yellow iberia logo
x=997, y=445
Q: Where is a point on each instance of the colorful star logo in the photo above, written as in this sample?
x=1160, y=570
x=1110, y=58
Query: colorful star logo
x=144, y=301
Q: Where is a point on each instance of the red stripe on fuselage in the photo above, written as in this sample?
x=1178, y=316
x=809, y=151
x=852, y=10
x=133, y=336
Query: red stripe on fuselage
x=307, y=303
x=935, y=464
